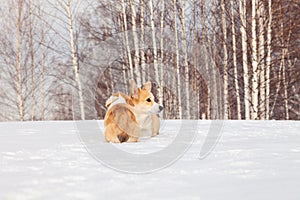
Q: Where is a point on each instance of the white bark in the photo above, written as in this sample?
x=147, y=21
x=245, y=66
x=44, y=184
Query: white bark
x=254, y=113
x=18, y=62
x=143, y=60
x=185, y=59
x=196, y=103
x=242, y=10
x=127, y=39
x=286, y=96
x=43, y=75
x=123, y=52
x=75, y=61
x=161, y=81
x=212, y=90
x=268, y=59
x=215, y=91
x=154, y=46
x=225, y=60
x=136, y=44
x=208, y=67
x=261, y=49
x=32, y=57
x=177, y=61
x=236, y=79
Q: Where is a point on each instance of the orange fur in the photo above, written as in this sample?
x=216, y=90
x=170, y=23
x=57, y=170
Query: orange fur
x=121, y=120
x=120, y=124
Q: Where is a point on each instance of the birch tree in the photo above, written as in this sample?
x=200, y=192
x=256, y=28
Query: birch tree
x=268, y=58
x=215, y=90
x=208, y=67
x=225, y=60
x=20, y=58
x=196, y=87
x=19, y=79
x=142, y=41
x=43, y=63
x=234, y=47
x=185, y=59
x=161, y=66
x=75, y=59
x=254, y=113
x=127, y=38
x=177, y=60
x=261, y=59
x=243, y=29
x=32, y=60
x=154, y=46
x=136, y=43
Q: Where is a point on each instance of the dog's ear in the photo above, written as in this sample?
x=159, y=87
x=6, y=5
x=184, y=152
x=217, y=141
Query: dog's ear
x=133, y=89
x=147, y=86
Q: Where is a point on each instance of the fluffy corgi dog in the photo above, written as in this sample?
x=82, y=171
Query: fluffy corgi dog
x=120, y=121
x=130, y=117
x=145, y=108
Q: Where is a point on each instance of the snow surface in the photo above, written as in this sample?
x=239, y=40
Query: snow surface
x=252, y=160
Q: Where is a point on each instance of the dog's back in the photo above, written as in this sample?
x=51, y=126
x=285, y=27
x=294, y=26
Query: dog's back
x=120, y=122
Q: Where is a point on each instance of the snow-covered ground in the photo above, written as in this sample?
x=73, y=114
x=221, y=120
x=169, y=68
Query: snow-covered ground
x=52, y=160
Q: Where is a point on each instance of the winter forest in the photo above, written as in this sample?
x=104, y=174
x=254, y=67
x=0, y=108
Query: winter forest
x=216, y=59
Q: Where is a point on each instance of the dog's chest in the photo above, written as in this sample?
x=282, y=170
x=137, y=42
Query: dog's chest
x=145, y=123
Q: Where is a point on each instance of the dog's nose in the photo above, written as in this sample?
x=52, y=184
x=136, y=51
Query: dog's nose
x=161, y=108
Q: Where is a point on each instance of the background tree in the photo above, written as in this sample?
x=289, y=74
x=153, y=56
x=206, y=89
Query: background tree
x=206, y=59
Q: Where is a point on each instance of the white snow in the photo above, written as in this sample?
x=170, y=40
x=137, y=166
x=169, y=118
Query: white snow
x=252, y=160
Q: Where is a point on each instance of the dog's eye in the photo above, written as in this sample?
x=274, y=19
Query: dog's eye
x=148, y=100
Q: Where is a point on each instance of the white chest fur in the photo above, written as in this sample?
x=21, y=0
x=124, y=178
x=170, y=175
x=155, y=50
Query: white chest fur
x=145, y=123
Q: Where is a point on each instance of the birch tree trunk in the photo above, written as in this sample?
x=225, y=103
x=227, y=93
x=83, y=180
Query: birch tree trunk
x=75, y=60
x=161, y=81
x=225, y=59
x=261, y=58
x=177, y=61
x=127, y=39
x=136, y=44
x=142, y=42
x=247, y=98
x=154, y=43
x=43, y=74
x=215, y=90
x=286, y=96
x=236, y=79
x=32, y=57
x=196, y=87
x=18, y=61
x=208, y=67
x=185, y=59
x=123, y=52
x=286, y=57
x=254, y=113
x=268, y=59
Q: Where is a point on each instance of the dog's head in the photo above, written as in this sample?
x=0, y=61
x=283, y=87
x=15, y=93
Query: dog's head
x=143, y=99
